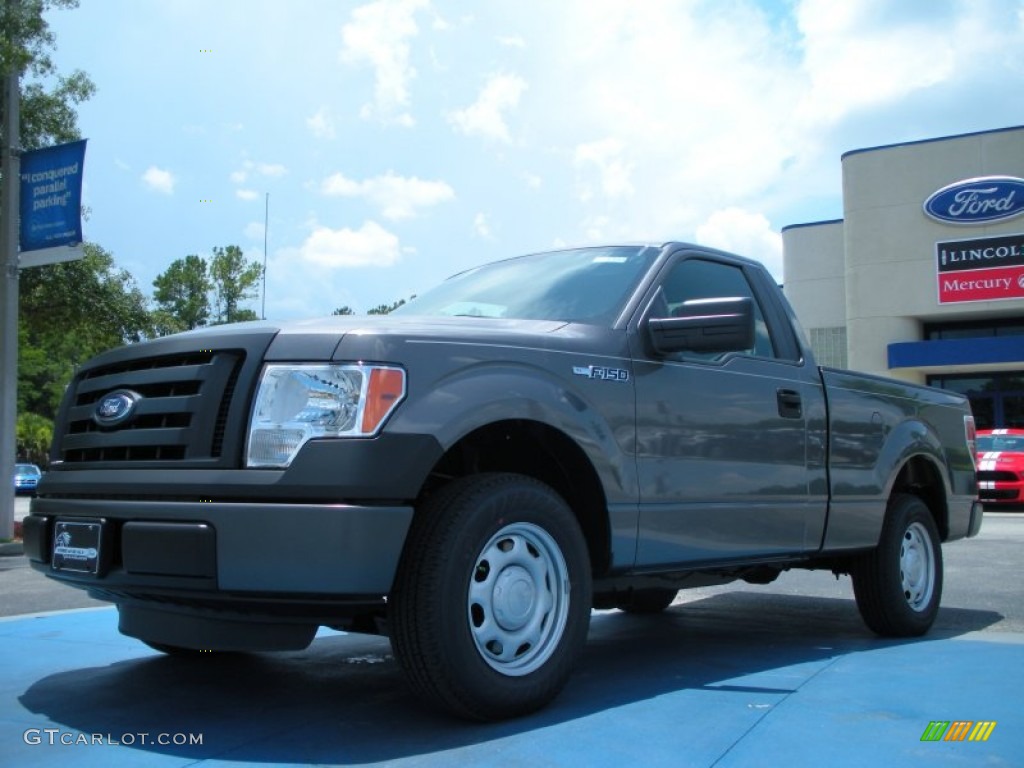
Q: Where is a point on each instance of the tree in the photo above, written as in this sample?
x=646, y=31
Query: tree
x=34, y=434
x=385, y=309
x=234, y=281
x=47, y=116
x=48, y=349
x=182, y=295
x=346, y=310
x=69, y=312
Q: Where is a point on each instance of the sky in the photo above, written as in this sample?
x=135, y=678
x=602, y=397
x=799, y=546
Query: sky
x=389, y=144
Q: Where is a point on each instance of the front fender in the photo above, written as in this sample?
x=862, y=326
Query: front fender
x=597, y=415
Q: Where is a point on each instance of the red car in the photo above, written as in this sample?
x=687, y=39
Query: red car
x=1001, y=466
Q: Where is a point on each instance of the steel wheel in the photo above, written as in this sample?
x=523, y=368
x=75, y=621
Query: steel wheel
x=898, y=585
x=917, y=567
x=518, y=599
x=491, y=602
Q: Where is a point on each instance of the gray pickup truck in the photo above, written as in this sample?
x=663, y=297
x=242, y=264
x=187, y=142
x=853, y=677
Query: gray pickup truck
x=472, y=474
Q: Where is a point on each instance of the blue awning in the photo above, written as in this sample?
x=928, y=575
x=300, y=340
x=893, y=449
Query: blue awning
x=981, y=351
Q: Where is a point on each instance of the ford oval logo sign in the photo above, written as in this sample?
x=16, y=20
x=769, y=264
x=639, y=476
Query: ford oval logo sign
x=977, y=201
x=115, y=407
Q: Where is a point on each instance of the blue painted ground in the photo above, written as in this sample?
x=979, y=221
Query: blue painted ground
x=720, y=681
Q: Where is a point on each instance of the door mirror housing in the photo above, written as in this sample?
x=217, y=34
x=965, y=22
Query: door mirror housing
x=705, y=325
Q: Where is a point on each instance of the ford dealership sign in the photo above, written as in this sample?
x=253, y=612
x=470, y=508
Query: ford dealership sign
x=977, y=201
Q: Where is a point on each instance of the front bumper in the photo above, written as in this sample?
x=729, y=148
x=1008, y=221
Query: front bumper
x=228, y=553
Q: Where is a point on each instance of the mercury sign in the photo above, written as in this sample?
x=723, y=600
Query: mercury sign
x=977, y=201
x=51, y=196
x=987, y=269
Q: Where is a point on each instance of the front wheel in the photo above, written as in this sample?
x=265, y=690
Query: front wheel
x=491, y=603
x=898, y=585
x=647, y=601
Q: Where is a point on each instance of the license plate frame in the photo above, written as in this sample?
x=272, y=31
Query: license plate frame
x=77, y=546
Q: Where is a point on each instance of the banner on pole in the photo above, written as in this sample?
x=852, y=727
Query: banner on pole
x=51, y=196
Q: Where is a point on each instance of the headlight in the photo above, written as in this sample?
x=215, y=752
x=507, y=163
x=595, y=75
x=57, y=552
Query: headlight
x=296, y=403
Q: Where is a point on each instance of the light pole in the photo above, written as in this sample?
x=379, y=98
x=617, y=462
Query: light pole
x=266, y=219
x=11, y=164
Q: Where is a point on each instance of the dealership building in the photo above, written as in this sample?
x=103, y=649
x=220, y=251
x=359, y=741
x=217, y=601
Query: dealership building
x=923, y=277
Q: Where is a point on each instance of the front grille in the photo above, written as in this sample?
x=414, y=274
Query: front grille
x=991, y=494
x=992, y=476
x=180, y=416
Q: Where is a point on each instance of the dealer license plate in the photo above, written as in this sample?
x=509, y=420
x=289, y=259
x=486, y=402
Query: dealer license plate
x=76, y=546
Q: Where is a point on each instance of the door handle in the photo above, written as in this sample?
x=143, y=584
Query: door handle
x=790, y=406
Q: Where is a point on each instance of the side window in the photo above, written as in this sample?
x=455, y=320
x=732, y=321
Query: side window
x=699, y=279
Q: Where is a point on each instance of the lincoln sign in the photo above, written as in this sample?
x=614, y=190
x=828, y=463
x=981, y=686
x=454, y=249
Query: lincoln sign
x=987, y=269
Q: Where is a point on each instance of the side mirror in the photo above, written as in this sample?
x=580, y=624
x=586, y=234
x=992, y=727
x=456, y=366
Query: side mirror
x=705, y=325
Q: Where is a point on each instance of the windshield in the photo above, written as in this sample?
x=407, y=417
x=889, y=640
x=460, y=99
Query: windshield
x=1011, y=443
x=26, y=469
x=585, y=285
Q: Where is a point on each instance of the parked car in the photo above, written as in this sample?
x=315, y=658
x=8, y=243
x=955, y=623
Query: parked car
x=26, y=478
x=1001, y=466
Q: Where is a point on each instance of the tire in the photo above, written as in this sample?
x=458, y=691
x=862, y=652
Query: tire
x=647, y=601
x=491, y=602
x=173, y=650
x=898, y=585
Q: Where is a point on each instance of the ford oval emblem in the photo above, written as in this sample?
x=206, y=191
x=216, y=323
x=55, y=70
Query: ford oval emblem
x=977, y=201
x=115, y=407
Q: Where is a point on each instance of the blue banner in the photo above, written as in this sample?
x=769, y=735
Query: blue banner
x=51, y=196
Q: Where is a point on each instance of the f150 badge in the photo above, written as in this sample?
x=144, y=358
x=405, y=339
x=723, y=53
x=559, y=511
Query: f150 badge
x=601, y=372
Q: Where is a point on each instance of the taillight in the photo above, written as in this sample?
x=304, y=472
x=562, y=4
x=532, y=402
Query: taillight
x=971, y=433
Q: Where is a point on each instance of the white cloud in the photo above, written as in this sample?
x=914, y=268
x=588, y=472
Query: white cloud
x=246, y=194
x=745, y=233
x=321, y=124
x=159, y=180
x=254, y=231
x=858, y=55
x=486, y=116
x=369, y=246
x=250, y=169
x=270, y=169
x=378, y=35
x=613, y=172
x=664, y=112
x=511, y=41
x=482, y=227
x=396, y=197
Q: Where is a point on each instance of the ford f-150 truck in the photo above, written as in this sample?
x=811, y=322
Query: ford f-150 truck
x=472, y=474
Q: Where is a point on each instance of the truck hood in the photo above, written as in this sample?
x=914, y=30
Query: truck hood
x=319, y=338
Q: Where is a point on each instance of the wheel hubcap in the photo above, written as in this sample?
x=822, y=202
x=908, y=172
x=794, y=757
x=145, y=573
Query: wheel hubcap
x=518, y=599
x=917, y=567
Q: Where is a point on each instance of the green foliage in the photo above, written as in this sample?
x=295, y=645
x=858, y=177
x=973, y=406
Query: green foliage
x=34, y=433
x=67, y=313
x=47, y=116
x=346, y=310
x=234, y=281
x=385, y=309
x=183, y=291
x=181, y=295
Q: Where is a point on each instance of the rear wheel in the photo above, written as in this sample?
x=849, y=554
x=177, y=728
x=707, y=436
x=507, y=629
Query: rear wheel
x=898, y=586
x=491, y=603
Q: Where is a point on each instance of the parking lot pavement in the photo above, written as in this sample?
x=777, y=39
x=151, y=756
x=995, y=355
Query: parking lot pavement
x=722, y=678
